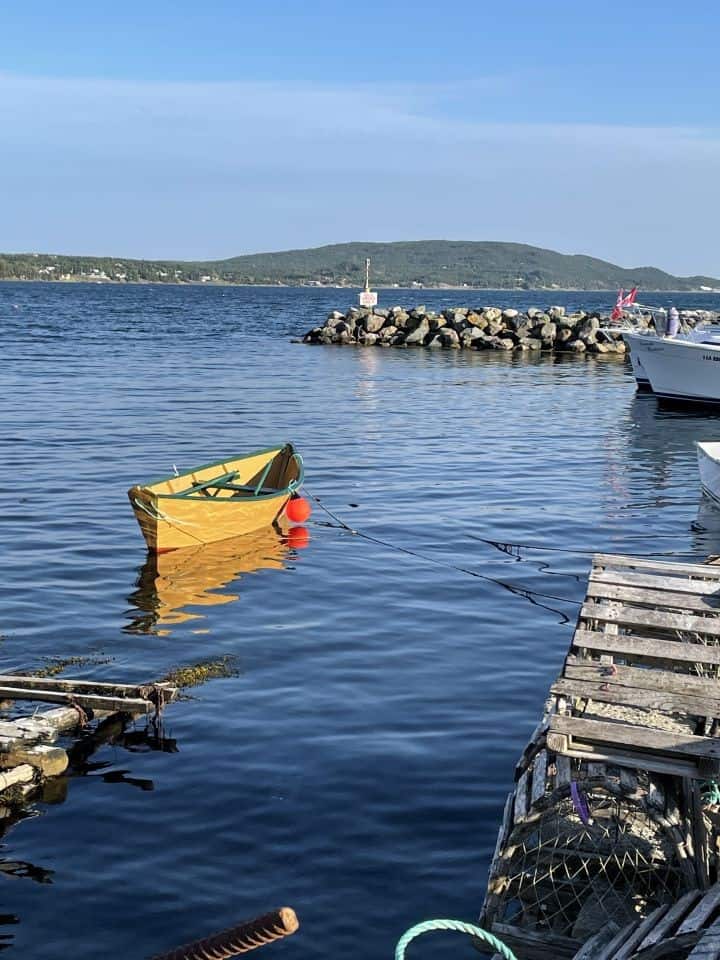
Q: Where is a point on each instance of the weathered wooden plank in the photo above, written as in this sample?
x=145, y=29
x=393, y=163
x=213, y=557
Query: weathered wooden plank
x=605, y=691
x=672, y=948
x=702, y=570
x=655, y=763
x=640, y=931
x=563, y=769
x=629, y=616
x=51, y=761
x=655, y=794
x=502, y=832
x=592, y=947
x=23, y=773
x=649, y=647
x=609, y=950
x=674, y=916
x=685, y=684
x=90, y=701
x=538, y=945
x=77, y=686
x=656, y=581
x=628, y=781
x=521, y=798
x=658, y=598
x=708, y=947
x=702, y=911
x=637, y=738
x=539, y=775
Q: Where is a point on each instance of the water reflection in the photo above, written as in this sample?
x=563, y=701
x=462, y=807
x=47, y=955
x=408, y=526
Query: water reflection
x=119, y=730
x=171, y=583
x=706, y=527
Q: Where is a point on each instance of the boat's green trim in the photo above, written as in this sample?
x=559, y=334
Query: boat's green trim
x=215, y=482
x=262, y=479
x=218, y=463
x=284, y=492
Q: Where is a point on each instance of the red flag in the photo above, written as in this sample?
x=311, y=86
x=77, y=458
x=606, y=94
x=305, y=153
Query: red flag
x=623, y=301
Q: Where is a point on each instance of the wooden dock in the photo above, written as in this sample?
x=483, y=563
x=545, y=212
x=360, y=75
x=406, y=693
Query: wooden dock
x=612, y=818
x=29, y=751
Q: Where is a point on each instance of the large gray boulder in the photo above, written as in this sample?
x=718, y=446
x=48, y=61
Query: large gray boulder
x=373, y=323
x=449, y=339
x=492, y=313
x=476, y=319
x=417, y=336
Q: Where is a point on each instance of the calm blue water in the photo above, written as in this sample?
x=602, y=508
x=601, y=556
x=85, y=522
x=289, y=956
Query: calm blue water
x=356, y=766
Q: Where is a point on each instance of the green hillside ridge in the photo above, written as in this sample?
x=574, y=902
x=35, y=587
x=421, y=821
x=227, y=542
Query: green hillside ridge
x=426, y=263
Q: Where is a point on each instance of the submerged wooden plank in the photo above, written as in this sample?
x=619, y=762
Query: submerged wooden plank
x=656, y=581
x=703, y=570
x=650, y=647
x=630, y=616
x=659, y=597
x=605, y=691
x=577, y=669
x=638, y=738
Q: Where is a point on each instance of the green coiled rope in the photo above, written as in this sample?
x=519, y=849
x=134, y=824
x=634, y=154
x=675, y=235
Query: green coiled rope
x=461, y=927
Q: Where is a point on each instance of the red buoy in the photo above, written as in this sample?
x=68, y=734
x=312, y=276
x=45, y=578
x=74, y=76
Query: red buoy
x=298, y=510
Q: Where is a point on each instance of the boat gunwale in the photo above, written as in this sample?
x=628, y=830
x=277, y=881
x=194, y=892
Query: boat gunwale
x=206, y=466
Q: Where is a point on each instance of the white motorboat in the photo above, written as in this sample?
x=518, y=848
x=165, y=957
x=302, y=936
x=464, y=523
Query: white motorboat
x=680, y=368
x=708, y=455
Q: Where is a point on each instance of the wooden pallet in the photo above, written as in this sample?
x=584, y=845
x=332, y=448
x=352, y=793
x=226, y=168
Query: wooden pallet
x=687, y=928
x=647, y=641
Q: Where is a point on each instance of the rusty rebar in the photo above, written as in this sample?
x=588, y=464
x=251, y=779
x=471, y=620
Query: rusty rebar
x=240, y=939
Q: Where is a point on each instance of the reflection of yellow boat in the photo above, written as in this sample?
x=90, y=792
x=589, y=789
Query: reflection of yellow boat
x=217, y=501
x=171, y=582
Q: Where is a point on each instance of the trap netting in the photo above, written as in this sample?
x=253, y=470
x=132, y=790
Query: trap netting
x=584, y=859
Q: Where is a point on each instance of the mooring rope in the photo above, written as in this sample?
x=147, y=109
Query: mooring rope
x=509, y=547
x=520, y=590
x=460, y=927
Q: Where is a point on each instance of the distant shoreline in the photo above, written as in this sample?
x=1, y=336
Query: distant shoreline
x=329, y=286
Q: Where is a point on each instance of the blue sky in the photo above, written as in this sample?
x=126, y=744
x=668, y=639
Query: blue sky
x=192, y=131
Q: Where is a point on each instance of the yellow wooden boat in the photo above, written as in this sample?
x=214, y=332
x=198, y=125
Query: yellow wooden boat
x=219, y=500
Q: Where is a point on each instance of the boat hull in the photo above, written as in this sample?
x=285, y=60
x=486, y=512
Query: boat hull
x=190, y=509
x=708, y=455
x=679, y=370
x=170, y=526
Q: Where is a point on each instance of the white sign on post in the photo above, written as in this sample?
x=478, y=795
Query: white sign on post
x=368, y=298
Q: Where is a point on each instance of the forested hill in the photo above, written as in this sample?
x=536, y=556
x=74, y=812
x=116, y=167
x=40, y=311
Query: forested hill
x=427, y=263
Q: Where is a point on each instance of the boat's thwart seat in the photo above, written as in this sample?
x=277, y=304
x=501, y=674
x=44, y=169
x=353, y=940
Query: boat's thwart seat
x=224, y=482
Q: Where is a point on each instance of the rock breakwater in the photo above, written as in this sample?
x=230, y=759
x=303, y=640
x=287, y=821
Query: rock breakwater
x=482, y=328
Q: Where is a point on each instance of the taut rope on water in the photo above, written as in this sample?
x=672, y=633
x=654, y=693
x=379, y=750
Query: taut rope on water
x=518, y=589
x=460, y=927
